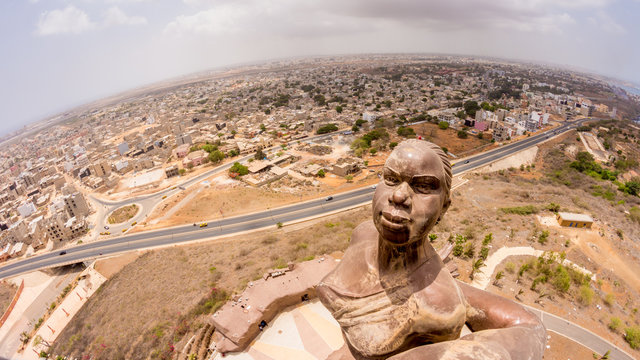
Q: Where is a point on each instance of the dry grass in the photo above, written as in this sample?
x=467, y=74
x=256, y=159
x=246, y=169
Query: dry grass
x=449, y=139
x=7, y=291
x=154, y=301
x=123, y=214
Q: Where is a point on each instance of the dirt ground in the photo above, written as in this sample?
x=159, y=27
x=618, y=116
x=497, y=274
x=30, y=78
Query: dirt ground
x=111, y=266
x=7, y=291
x=234, y=198
x=123, y=214
x=449, y=139
x=144, y=306
x=561, y=348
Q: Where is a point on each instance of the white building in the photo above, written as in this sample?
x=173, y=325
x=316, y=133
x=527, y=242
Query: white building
x=26, y=209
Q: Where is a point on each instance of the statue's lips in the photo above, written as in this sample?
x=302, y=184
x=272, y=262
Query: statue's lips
x=394, y=220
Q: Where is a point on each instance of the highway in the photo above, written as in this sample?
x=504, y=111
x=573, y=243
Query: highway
x=269, y=218
x=149, y=201
x=232, y=225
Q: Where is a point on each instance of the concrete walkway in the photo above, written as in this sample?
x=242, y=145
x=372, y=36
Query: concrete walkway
x=63, y=313
x=482, y=278
x=39, y=290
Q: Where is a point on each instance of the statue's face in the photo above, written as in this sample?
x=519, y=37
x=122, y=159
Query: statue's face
x=411, y=196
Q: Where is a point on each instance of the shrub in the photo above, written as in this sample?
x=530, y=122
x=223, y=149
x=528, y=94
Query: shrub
x=609, y=299
x=510, y=267
x=585, y=297
x=520, y=210
x=615, y=323
x=443, y=125
x=561, y=279
x=543, y=237
x=632, y=336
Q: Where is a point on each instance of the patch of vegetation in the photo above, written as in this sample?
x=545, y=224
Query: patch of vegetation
x=520, y=210
x=632, y=336
x=327, y=129
x=123, y=214
x=239, y=169
x=614, y=324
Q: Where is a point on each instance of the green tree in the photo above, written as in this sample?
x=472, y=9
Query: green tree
x=392, y=145
x=339, y=109
x=321, y=173
x=470, y=107
x=216, y=156
x=443, y=125
x=239, y=169
x=320, y=100
x=263, y=127
x=327, y=129
x=259, y=155
x=406, y=132
x=462, y=134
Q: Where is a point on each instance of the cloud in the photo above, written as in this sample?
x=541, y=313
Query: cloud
x=293, y=17
x=607, y=23
x=70, y=20
x=115, y=16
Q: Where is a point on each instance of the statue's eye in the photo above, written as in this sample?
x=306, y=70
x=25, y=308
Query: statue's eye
x=425, y=186
x=391, y=180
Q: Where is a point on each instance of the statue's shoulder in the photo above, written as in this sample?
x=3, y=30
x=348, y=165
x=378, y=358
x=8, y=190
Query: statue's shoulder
x=354, y=275
x=364, y=233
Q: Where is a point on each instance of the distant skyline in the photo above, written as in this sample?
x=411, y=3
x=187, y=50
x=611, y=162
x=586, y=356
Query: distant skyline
x=58, y=54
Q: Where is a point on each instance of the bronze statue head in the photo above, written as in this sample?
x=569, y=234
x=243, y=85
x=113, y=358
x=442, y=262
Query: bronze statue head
x=413, y=193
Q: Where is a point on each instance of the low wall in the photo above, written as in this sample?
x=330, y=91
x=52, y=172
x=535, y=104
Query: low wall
x=13, y=304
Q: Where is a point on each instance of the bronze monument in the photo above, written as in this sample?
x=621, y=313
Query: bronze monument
x=392, y=294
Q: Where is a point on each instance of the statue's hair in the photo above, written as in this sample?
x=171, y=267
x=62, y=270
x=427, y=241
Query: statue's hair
x=446, y=164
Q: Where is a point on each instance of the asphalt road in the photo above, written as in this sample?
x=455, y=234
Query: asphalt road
x=580, y=335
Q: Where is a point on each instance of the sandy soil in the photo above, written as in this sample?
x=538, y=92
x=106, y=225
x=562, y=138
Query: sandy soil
x=224, y=198
x=561, y=348
x=112, y=265
x=7, y=291
x=449, y=139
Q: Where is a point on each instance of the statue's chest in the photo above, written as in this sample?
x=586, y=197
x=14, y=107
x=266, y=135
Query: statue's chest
x=382, y=323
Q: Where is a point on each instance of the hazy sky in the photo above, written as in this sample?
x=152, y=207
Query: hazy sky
x=56, y=54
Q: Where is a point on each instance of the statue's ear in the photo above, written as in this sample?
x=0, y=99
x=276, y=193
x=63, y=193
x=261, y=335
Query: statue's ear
x=445, y=207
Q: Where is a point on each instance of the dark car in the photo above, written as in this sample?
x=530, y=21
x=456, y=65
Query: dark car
x=466, y=161
x=329, y=198
x=62, y=253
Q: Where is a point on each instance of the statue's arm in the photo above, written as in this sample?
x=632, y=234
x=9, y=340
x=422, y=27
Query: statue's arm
x=501, y=329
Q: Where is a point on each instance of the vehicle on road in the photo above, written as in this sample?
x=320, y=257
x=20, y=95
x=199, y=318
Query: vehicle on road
x=194, y=224
x=62, y=253
x=374, y=186
x=181, y=187
x=106, y=227
x=204, y=224
x=329, y=198
x=466, y=161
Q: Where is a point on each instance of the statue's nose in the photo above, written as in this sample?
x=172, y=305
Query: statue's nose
x=401, y=195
